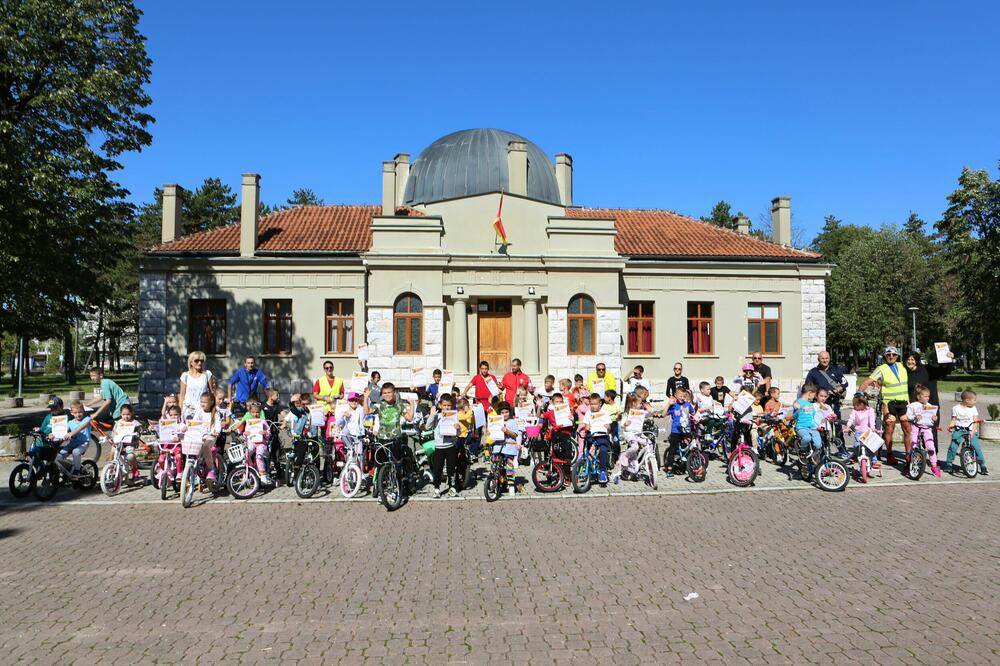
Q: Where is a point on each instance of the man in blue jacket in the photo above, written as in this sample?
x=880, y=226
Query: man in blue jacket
x=831, y=378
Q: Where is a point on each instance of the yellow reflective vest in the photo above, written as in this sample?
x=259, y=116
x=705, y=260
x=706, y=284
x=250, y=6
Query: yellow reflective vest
x=894, y=384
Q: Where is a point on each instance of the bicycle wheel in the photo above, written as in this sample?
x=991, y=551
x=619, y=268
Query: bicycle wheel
x=697, y=466
x=547, y=476
x=742, y=468
x=581, y=476
x=22, y=481
x=306, y=481
x=863, y=465
x=651, y=471
x=779, y=453
x=967, y=458
x=832, y=476
x=243, y=483
x=111, y=478
x=154, y=474
x=47, y=482
x=390, y=491
x=88, y=475
x=350, y=480
x=164, y=482
x=94, y=448
x=915, y=464
x=188, y=483
x=491, y=487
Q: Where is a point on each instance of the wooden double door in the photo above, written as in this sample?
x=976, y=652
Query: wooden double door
x=494, y=315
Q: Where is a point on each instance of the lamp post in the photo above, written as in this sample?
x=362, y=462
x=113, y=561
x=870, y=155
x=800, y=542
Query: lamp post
x=913, y=340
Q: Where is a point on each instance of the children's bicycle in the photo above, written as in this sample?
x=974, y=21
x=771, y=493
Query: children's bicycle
x=305, y=477
x=829, y=473
x=916, y=458
x=194, y=469
x=395, y=475
x=866, y=466
x=586, y=470
x=967, y=459
x=120, y=469
x=549, y=473
x=26, y=472
x=53, y=473
x=242, y=479
x=742, y=465
x=166, y=473
x=695, y=461
x=496, y=478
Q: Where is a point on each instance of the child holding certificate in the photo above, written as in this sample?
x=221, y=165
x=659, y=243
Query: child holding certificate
x=257, y=432
x=444, y=420
x=924, y=417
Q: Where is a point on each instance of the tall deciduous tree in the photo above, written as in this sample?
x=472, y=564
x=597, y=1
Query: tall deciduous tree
x=72, y=100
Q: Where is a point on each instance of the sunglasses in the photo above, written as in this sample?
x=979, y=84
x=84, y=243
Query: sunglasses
x=199, y=360
x=328, y=367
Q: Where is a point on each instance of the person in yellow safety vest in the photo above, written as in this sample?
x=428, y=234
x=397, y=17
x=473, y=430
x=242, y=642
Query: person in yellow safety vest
x=600, y=375
x=329, y=388
x=895, y=398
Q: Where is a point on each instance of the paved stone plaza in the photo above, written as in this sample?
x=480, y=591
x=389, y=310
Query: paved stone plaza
x=894, y=572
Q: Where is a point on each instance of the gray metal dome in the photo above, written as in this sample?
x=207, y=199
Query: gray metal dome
x=472, y=162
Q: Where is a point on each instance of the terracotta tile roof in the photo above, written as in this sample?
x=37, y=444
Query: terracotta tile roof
x=663, y=233
x=299, y=229
x=641, y=233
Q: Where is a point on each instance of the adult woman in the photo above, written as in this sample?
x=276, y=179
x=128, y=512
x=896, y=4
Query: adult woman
x=195, y=382
x=918, y=374
x=375, y=389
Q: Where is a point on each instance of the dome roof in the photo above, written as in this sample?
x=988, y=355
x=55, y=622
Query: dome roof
x=472, y=162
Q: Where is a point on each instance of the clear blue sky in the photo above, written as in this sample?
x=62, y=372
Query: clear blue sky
x=865, y=110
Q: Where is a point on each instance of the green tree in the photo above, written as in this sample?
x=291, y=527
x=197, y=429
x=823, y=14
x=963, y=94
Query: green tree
x=721, y=216
x=304, y=196
x=72, y=100
x=210, y=206
x=970, y=230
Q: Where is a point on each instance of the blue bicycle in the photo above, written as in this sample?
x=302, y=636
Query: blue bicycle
x=587, y=469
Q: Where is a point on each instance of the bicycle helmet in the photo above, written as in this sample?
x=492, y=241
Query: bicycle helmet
x=747, y=366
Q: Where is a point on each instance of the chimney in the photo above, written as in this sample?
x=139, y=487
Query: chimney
x=781, y=220
x=249, y=214
x=742, y=224
x=517, y=167
x=171, y=204
x=402, y=173
x=388, y=187
x=564, y=178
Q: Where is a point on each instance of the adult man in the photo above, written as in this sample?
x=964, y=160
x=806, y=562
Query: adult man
x=892, y=376
x=247, y=380
x=109, y=393
x=831, y=378
x=677, y=381
x=757, y=359
x=601, y=377
x=513, y=380
x=328, y=388
x=636, y=380
x=483, y=393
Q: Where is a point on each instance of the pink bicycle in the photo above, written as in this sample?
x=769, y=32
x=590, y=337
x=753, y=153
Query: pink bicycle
x=742, y=466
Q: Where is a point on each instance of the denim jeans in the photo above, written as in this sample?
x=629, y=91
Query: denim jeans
x=809, y=436
x=956, y=441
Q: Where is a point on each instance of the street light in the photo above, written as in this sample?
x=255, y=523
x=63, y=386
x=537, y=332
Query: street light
x=913, y=311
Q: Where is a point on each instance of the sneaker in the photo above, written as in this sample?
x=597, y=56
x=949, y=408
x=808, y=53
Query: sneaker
x=602, y=477
x=983, y=470
x=670, y=473
x=617, y=478
x=266, y=480
x=452, y=492
x=890, y=459
x=936, y=471
x=876, y=464
x=437, y=493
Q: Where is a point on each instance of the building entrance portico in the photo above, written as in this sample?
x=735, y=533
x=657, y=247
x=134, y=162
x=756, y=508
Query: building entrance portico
x=495, y=320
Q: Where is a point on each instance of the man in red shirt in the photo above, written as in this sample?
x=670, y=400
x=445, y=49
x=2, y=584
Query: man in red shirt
x=513, y=380
x=483, y=393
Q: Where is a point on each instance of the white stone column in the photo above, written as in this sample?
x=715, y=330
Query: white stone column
x=152, y=342
x=460, y=337
x=813, y=292
x=531, y=359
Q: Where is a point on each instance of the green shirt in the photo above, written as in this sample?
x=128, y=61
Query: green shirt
x=113, y=392
x=389, y=417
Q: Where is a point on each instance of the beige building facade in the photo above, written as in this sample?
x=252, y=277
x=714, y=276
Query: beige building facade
x=424, y=281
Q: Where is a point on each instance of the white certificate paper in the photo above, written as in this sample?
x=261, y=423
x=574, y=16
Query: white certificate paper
x=942, y=349
x=359, y=382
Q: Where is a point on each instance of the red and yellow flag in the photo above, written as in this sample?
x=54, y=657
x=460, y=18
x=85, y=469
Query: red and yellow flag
x=498, y=223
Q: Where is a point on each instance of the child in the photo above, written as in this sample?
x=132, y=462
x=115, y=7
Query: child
x=580, y=389
x=965, y=416
x=772, y=406
x=549, y=416
x=257, y=449
x=467, y=426
x=680, y=413
x=169, y=401
x=170, y=443
x=628, y=461
x=272, y=409
x=128, y=419
x=614, y=412
x=804, y=412
x=511, y=445
x=43, y=449
x=756, y=418
x=704, y=402
x=720, y=391
x=445, y=447
x=566, y=389
x=923, y=417
x=301, y=425
x=391, y=415
x=435, y=386
x=862, y=420
x=352, y=422
x=826, y=420
x=597, y=434
x=208, y=414
x=77, y=437
x=544, y=395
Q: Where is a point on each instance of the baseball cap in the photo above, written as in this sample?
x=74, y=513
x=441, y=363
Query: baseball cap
x=354, y=395
x=55, y=402
x=891, y=350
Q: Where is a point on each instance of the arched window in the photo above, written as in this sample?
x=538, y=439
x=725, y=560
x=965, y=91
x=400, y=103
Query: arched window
x=582, y=325
x=407, y=325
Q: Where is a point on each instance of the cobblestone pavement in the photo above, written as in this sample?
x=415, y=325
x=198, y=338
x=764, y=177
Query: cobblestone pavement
x=896, y=574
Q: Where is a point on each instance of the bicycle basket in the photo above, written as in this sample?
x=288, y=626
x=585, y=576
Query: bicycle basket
x=190, y=448
x=236, y=453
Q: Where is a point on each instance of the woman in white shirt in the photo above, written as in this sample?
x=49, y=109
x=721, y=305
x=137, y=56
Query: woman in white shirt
x=194, y=383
